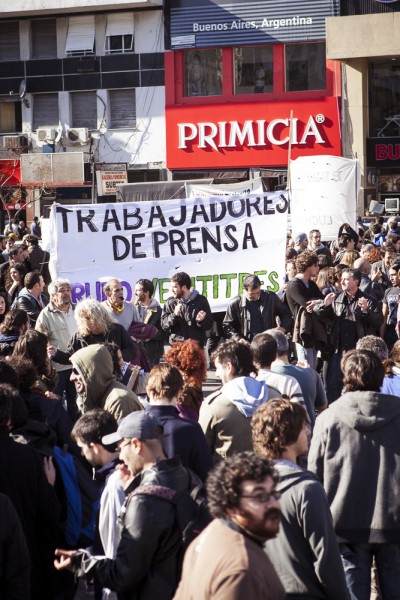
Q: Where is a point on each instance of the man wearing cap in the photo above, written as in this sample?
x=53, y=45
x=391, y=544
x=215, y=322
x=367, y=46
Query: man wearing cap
x=300, y=242
x=146, y=561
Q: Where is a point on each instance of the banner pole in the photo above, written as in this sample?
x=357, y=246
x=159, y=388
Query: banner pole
x=288, y=184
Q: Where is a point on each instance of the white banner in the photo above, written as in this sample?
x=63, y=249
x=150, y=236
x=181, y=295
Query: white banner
x=323, y=194
x=217, y=241
x=243, y=188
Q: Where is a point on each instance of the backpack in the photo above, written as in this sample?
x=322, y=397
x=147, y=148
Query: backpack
x=82, y=499
x=192, y=515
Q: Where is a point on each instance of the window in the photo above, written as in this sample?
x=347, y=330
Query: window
x=44, y=38
x=45, y=111
x=119, y=33
x=84, y=109
x=305, y=66
x=80, y=36
x=203, y=72
x=10, y=117
x=253, y=69
x=384, y=99
x=9, y=40
x=122, y=108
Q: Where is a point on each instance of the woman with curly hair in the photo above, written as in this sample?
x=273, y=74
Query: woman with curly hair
x=189, y=358
x=95, y=326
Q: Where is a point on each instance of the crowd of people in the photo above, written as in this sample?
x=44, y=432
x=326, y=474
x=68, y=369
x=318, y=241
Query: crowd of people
x=282, y=483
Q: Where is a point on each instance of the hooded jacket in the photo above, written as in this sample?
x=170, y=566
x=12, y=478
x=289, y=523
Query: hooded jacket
x=305, y=553
x=225, y=415
x=102, y=390
x=355, y=452
x=184, y=326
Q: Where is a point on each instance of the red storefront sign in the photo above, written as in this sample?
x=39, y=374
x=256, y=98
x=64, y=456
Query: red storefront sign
x=10, y=172
x=251, y=134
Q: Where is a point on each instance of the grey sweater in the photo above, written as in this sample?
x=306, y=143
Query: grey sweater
x=355, y=452
x=305, y=553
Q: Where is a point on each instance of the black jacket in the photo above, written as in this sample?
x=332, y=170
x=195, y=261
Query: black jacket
x=367, y=324
x=237, y=318
x=29, y=304
x=185, y=326
x=183, y=438
x=14, y=555
x=23, y=479
x=39, y=260
x=117, y=334
x=145, y=566
x=297, y=294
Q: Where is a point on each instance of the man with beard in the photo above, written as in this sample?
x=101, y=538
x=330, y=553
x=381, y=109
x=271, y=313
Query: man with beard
x=187, y=315
x=305, y=553
x=227, y=560
x=58, y=323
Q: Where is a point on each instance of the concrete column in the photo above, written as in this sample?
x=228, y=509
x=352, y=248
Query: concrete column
x=355, y=116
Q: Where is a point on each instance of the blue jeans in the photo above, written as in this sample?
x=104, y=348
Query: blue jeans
x=357, y=563
x=334, y=378
x=309, y=354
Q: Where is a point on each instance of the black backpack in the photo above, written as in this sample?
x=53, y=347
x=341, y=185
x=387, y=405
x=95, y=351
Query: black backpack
x=192, y=515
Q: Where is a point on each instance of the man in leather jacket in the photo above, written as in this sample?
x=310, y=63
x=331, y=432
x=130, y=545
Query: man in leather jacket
x=146, y=562
x=353, y=315
x=254, y=311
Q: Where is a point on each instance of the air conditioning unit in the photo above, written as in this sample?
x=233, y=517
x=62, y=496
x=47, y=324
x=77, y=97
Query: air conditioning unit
x=46, y=135
x=78, y=136
x=14, y=142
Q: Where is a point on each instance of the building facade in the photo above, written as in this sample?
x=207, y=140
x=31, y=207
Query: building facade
x=366, y=41
x=81, y=97
x=248, y=86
